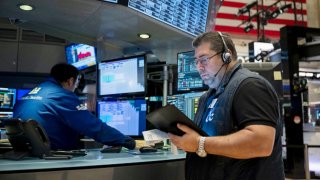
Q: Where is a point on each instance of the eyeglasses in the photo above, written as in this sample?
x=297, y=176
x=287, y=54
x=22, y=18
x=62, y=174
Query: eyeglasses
x=204, y=60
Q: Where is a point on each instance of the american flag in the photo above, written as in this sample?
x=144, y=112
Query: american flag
x=227, y=21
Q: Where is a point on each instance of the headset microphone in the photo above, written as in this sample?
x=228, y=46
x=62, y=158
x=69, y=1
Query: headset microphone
x=219, y=70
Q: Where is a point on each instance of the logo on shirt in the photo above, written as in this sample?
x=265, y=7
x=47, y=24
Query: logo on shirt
x=35, y=90
x=211, y=112
x=32, y=97
x=82, y=107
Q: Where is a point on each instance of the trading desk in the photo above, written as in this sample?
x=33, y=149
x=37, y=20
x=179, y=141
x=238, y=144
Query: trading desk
x=95, y=165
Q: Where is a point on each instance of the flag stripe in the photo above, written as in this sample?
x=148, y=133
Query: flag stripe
x=273, y=21
x=272, y=1
x=228, y=21
x=233, y=12
x=240, y=31
x=240, y=5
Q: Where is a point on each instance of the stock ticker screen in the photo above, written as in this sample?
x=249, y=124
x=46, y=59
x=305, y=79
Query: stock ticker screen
x=189, y=15
x=188, y=76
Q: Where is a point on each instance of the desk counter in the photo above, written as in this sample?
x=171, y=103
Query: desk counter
x=95, y=165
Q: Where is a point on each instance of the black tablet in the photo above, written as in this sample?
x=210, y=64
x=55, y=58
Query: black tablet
x=166, y=119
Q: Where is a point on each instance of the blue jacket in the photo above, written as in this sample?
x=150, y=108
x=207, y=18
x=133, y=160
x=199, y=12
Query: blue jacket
x=64, y=118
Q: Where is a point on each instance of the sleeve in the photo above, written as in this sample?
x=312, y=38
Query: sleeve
x=75, y=115
x=255, y=103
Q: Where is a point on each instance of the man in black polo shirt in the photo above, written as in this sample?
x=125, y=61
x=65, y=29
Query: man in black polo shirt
x=240, y=114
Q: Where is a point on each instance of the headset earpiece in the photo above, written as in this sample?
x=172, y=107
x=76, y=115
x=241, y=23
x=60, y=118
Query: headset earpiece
x=226, y=55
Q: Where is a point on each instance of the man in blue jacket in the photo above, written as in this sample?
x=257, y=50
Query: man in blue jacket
x=55, y=106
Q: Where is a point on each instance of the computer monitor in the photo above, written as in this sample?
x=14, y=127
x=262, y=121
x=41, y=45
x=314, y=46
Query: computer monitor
x=127, y=116
x=7, y=98
x=81, y=56
x=259, y=50
x=122, y=77
x=186, y=102
x=188, y=76
x=6, y=114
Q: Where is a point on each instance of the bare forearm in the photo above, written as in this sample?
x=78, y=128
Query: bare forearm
x=255, y=141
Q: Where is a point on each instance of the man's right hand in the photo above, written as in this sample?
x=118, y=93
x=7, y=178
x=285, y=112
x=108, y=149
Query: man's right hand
x=129, y=143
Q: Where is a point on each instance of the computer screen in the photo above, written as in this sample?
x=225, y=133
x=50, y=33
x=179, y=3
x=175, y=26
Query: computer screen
x=7, y=98
x=259, y=50
x=124, y=76
x=6, y=114
x=186, y=102
x=188, y=76
x=81, y=56
x=127, y=116
x=21, y=93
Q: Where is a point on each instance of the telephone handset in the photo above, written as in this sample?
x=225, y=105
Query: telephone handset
x=28, y=138
x=38, y=138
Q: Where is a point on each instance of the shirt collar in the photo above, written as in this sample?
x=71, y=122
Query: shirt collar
x=226, y=79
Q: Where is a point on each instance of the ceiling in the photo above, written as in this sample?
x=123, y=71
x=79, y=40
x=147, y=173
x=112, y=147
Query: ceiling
x=109, y=26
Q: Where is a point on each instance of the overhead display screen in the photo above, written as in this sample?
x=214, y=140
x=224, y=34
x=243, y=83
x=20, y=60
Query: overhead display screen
x=112, y=1
x=188, y=15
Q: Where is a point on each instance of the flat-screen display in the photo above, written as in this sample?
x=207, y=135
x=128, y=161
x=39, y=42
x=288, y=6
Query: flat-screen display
x=81, y=56
x=6, y=114
x=186, y=102
x=189, y=16
x=127, y=116
x=188, y=75
x=112, y=1
x=7, y=98
x=124, y=76
x=259, y=50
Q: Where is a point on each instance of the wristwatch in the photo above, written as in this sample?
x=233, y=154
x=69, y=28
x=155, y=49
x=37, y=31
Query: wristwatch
x=201, y=152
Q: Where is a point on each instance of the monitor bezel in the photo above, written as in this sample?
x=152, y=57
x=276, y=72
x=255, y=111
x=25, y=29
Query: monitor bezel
x=124, y=99
x=128, y=94
x=204, y=88
x=88, y=68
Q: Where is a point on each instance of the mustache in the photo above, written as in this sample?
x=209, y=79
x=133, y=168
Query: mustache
x=201, y=72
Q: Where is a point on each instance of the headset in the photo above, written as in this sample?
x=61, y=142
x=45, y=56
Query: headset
x=225, y=56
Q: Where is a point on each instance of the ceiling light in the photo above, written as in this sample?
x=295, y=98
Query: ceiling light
x=302, y=74
x=309, y=74
x=26, y=7
x=144, y=35
x=279, y=11
x=275, y=13
x=246, y=8
x=248, y=28
x=285, y=7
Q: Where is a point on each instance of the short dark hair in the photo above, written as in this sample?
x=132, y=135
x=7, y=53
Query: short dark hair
x=62, y=72
x=216, y=42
